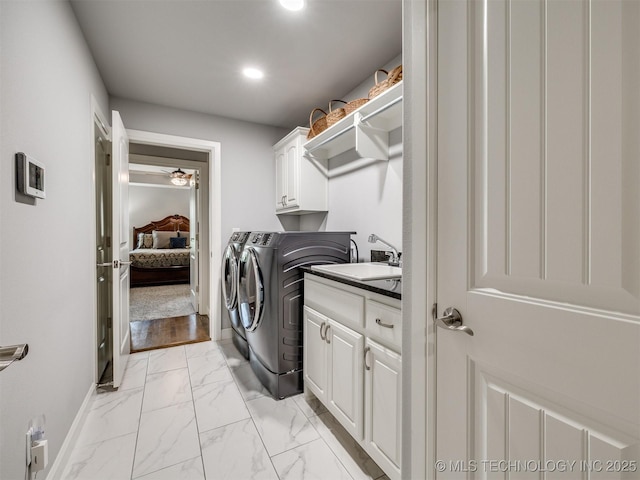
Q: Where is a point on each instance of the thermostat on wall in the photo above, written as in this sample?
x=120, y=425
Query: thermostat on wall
x=30, y=175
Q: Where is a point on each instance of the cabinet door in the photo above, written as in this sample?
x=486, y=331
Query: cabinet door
x=314, y=348
x=281, y=172
x=292, y=177
x=383, y=404
x=345, y=349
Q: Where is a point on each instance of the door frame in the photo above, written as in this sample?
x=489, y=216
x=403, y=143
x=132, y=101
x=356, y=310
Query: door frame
x=215, y=211
x=419, y=291
x=97, y=118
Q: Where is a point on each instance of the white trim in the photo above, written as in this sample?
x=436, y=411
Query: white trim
x=156, y=185
x=215, y=210
x=64, y=455
x=419, y=238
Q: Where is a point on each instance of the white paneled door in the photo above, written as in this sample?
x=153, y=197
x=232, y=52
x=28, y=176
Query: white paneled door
x=539, y=239
x=120, y=235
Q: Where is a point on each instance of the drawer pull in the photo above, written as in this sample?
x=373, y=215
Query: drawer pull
x=382, y=324
x=366, y=350
x=326, y=333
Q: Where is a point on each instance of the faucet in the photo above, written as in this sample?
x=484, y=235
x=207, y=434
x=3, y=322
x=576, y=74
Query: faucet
x=394, y=259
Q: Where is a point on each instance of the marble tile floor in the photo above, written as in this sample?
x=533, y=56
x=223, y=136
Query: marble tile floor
x=196, y=412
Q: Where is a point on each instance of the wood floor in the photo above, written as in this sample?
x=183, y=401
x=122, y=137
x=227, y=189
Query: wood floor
x=169, y=332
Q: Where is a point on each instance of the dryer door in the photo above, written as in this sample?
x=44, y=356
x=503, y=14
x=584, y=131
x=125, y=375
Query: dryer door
x=230, y=277
x=250, y=290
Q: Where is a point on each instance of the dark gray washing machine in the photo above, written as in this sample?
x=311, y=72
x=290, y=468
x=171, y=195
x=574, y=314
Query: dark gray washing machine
x=230, y=260
x=270, y=300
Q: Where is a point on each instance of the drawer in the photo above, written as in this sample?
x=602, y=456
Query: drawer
x=345, y=307
x=384, y=323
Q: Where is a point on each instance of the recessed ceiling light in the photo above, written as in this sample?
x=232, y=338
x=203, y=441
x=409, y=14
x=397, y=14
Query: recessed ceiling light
x=293, y=5
x=253, y=73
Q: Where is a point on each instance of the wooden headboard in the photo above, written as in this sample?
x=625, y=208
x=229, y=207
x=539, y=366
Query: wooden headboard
x=172, y=223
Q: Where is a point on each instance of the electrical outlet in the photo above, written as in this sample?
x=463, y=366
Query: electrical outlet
x=39, y=455
x=380, y=255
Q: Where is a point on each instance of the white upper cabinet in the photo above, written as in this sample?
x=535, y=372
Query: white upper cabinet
x=301, y=184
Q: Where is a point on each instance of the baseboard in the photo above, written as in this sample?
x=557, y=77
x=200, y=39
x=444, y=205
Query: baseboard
x=59, y=464
x=226, y=333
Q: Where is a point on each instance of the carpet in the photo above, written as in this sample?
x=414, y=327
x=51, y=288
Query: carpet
x=148, y=303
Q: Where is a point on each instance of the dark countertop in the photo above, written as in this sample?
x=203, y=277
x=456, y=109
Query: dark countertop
x=389, y=288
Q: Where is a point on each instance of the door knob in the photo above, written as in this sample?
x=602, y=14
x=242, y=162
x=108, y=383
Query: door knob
x=452, y=320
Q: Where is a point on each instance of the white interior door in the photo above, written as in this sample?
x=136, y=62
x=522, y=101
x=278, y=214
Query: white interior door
x=539, y=239
x=120, y=233
x=193, y=242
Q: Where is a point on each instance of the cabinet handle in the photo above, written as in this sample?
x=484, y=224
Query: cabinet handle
x=322, y=325
x=326, y=333
x=382, y=324
x=366, y=350
x=284, y=200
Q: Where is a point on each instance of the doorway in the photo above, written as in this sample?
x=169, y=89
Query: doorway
x=203, y=157
x=165, y=193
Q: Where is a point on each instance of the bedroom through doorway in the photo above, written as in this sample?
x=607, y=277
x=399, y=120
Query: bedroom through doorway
x=166, y=207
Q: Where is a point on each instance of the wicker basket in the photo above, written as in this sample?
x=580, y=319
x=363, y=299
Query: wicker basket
x=393, y=77
x=319, y=126
x=336, y=114
x=354, y=105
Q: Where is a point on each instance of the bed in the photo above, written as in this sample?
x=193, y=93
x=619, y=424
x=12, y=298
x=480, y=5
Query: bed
x=157, y=259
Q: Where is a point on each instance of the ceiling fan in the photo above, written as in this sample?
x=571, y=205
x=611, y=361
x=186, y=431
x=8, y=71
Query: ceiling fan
x=179, y=178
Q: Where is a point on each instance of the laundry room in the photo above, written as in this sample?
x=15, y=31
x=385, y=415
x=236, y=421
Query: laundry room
x=234, y=142
x=400, y=230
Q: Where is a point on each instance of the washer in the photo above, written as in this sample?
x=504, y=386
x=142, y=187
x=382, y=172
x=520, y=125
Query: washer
x=230, y=260
x=270, y=300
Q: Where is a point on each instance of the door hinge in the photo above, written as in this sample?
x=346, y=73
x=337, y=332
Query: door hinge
x=434, y=311
x=109, y=322
x=197, y=288
x=108, y=241
x=107, y=159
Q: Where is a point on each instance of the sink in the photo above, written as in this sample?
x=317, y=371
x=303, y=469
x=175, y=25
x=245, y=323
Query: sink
x=361, y=271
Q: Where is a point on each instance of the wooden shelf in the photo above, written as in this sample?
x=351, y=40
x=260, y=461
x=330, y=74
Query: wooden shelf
x=366, y=129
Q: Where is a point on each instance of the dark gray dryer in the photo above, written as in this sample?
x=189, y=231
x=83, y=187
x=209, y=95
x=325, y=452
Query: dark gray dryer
x=270, y=300
x=230, y=260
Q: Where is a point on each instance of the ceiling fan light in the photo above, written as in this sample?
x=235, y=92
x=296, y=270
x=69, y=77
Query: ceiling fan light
x=179, y=181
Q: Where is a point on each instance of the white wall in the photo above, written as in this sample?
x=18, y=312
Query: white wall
x=369, y=199
x=153, y=202
x=47, y=278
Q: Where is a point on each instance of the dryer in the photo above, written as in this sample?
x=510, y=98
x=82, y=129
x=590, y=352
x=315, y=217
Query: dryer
x=270, y=300
x=230, y=260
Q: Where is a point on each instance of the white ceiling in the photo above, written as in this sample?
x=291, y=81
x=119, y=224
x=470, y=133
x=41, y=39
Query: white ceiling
x=189, y=54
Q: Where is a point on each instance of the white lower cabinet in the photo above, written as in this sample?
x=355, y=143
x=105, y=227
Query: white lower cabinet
x=315, y=353
x=383, y=402
x=352, y=364
x=333, y=360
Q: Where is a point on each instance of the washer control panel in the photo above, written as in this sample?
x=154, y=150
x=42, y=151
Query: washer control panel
x=240, y=237
x=261, y=239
